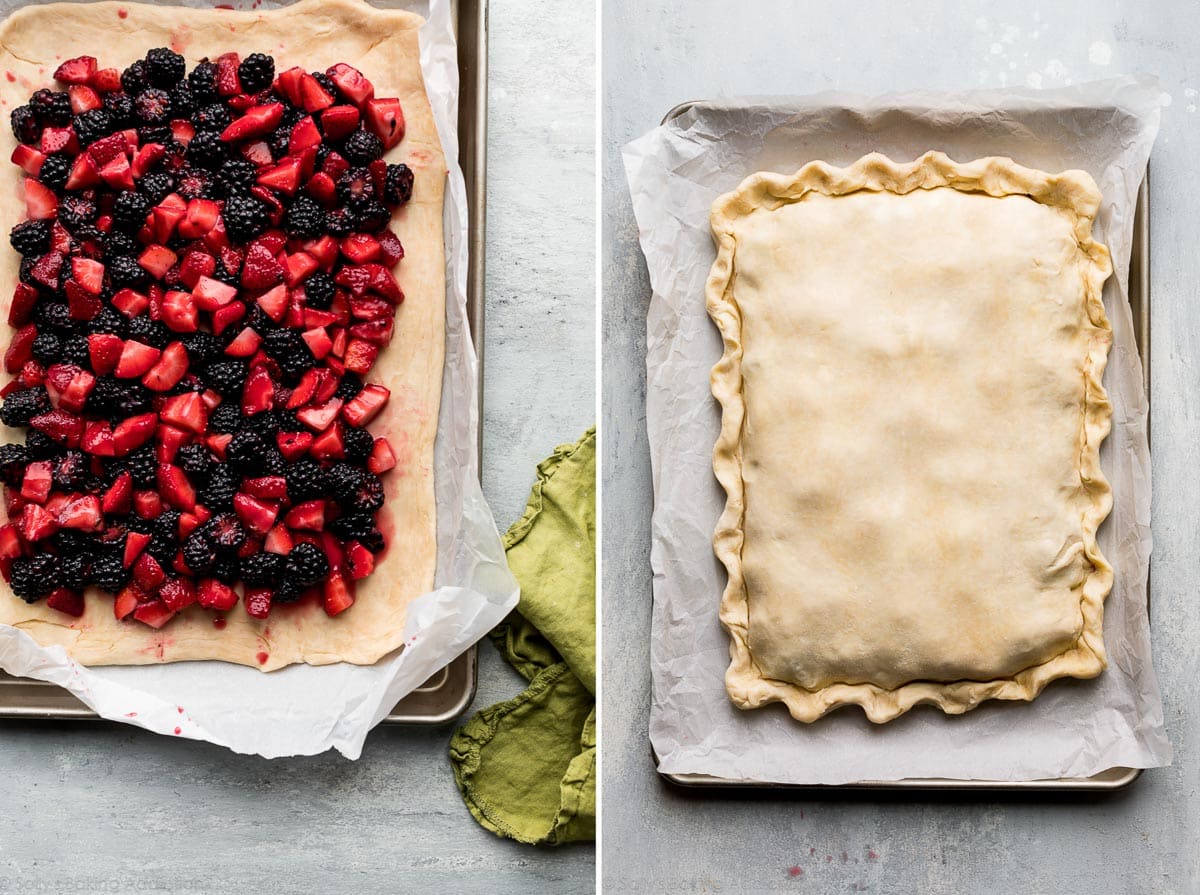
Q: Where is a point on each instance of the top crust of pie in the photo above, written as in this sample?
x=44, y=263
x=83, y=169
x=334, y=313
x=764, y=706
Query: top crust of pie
x=912, y=412
x=314, y=34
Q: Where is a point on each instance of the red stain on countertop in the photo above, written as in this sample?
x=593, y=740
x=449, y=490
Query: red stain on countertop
x=871, y=856
x=179, y=708
x=262, y=658
x=219, y=623
x=795, y=871
x=178, y=731
x=11, y=77
x=122, y=13
x=131, y=714
x=180, y=38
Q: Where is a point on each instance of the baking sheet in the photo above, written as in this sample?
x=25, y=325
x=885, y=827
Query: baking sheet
x=1075, y=729
x=307, y=710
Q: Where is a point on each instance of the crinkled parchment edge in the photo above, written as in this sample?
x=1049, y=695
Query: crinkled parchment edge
x=1073, y=192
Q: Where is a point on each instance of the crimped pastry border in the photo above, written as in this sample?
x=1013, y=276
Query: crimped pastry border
x=1075, y=193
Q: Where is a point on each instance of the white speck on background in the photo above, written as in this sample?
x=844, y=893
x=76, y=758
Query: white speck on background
x=1099, y=53
x=499, y=92
x=981, y=24
x=1010, y=34
x=1012, y=66
x=997, y=49
x=1190, y=93
x=1055, y=70
x=1033, y=79
x=1165, y=99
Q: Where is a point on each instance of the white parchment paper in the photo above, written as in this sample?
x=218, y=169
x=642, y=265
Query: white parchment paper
x=304, y=710
x=1075, y=728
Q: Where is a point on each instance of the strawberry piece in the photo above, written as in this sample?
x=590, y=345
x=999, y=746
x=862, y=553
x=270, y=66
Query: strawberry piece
x=275, y=302
x=360, y=562
x=370, y=308
x=377, y=332
x=119, y=496
x=318, y=342
x=195, y=265
x=288, y=83
x=351, y=83
x=20, y=349
x=258, y=152
x=37, y=522
x=167, y=215
x=136, y=359
x=214, y=594
x=76, y=71
x=67, y=601
x=227, y=81
x=218, y=443
x=293, y=445
x=59, y=139
x=98, y=439
x=327, y=383
x=337, y=596
x=257, y=602
x=257, y=515
x=261, y=270
x=309, y=516
x=108, y=148
x=175, y=488
x=10, y=542
x=31, y=375
x=182, y=131
x=258, y=394
x=319, y=418
x=47, y=269
x=269, y=199
x=329, y=445
x=169, y=441
x=39, y=476
x=179, y=312
x=117, y=173
x=28, y=159
x=365, y=406
x=212, y=294
x=258, y=121
x=106, y=80
x=83, y=99
x=130, y=303
x=165, y=374
x=127, y=601
x=225, y=317
x=278, y=540
x=89, y=274
x=40, y=202
x=145, y=159
x=153, y=613
x=69, y=386
x=65, y=428
x=314, y=318
x=360, y=356
x=359, y=248
x=131, y=434
x=284, y=177
x=382, y=457
x=385, y=119
x=177, y=593
x=338, y=122
x=157, y=259
x=312, y=95
x=297, y=267
x=186, y=411
x=84, y=173
x=147, y=504
x=244, y=344
x=148, y=573
x=391, y=251
x=24, y=300
x=81, y=304
x=135, y=544
x=82, y=513
x=267, y=486
x=322, y=188
x=200, y=217
x=325, y=250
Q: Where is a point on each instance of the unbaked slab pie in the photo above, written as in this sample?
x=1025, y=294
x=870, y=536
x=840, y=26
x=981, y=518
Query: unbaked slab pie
x=912, y=412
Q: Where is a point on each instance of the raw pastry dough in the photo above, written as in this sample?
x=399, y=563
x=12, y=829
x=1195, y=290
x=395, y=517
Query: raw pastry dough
x=912, y=416
x=314, y=34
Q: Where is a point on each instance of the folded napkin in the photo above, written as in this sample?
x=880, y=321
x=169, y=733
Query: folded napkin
x=527, y=767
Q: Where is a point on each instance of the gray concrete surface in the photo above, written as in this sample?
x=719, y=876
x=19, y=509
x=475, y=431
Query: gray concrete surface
x=108, y=809
x=1143, y=840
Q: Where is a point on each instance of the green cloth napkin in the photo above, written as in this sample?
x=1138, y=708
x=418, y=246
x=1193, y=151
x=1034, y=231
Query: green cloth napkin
x=527, y=767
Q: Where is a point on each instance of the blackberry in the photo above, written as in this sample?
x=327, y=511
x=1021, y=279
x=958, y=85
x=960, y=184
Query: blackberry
x=195, y=460
x=279, y=141
x=164, y=68
x=40, y=445
x=397, y=185
x=119, y=106
x=130, y=210
x=108, y=572
x=256, y=72
x=214, y=117
x=26, y=272
x=156, y=186
x=76, y=212
x=306, y=563
x=183, y=101
x=225, y=275
x=290, y=351
x=344, y=482
x=236, y=176
x=265, y=424
x=319, y=290
x=272, y=461
x=68, y=541
x=349, y=387
x=54, y=172
x=305, y=481
x=357, y=444
x=355, y=186
x=25, y=125
x=203, y=81
x=287, y=590
x=373, y=540
x=149, y=332
x=53, y=317
x=369, y=496
x=113, y=397
x=262, y=569
x=226, y=419
x=245, y=452
x=46, y=348
x=226, y=569
x=225, y=533
x=372, y=216
x=353, y=527
x=362, y=147
x=13, y=458
x=34, y=578
x=51, y=108
x=152, y=106
x=91, y=125
x=73, y=570
x=117, y=243
x=109, y=320
x=162, y=135
x=245, y=218
x=339, y=222
x=195, y=184
x=75, y=351
x=198, y=553
x=70, y=472
x=125, y=271
x=288, y=421
x=202, y=347
x=133, y=79
x=227, y=377
x=221, y=488
x=305, y=218
x=206, y=150
x=260, y=322
x=326, y=83
x=189, y=383
x=142, y=466
x=31, y=237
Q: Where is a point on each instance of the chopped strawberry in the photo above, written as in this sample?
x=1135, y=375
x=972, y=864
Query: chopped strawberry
x=108, y=148
x=338, y=122
x=153, y=613
x=148, y=573
x=24, y=299
x=73, y=394
x=84, y=173
x=360, y=562
x=132, y=433
x=179, y=312
x=98, y=439
x=118, y=498
x=67, y=601
x=182, y=131
x=167, y=215
x=186, y=411
x=81, y=304
x=136, y=359
x=28, y=159
x=319, y=418
x=175, y=488
x=157, y=260
x=258, y=602
x=360, y=356
x=38, y=480
x=351, y=83
x=214, y=594
x=385, y=119
x=147, y=504
x=117, y=173
x=256, y=122
x=171, y=366
x=106, y=80
x=293, y=445
x=227, y=81
x=40, y=202
x=104, y=350
x=82, y=513
x=318, y=342
x=177, y=593
x=322, y=188
x=196, y=264
x=278, y=540
x=146, y=158
x=309, y=516
x=76, y=71
x=258, y=152
x=359, y=248
x=83, y=99
x=200, y=217
x=37, y=522
x=337, y=597
x=20, y=349
x=258, y=394
x=65, y=428
x=130, y=303
x=261, y=270
x=245, y=344
x=257, y=515
x=366, y=405
x=382, y=457
x=59, y=139
x=10, y=542
x=89, y=274
x=225, y=317
x=391, y=250
x=212, y=294
x=329, y=445
x=312, y=95
x=284, y=177
x=127, y=601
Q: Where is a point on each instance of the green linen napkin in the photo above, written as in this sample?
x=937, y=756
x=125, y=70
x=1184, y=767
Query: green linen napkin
x=527, y=767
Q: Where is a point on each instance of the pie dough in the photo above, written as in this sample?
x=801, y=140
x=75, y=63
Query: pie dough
x=912, y=412
x=314, y=34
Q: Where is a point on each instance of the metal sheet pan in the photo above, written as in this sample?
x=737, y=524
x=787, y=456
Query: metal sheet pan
x=1107, y=780
x=447, y=694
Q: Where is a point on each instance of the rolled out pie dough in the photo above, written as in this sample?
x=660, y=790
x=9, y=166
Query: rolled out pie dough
x=314, y=34
x=912, y=412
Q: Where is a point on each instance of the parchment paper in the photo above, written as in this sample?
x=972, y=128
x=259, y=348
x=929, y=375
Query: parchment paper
x=1074, y=728
x=305, y=710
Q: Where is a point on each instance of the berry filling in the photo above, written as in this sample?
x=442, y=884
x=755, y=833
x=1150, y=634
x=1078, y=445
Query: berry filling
x=205, y=284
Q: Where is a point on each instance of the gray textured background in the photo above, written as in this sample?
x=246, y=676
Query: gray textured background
x=1143, y=840
x=103, y=808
